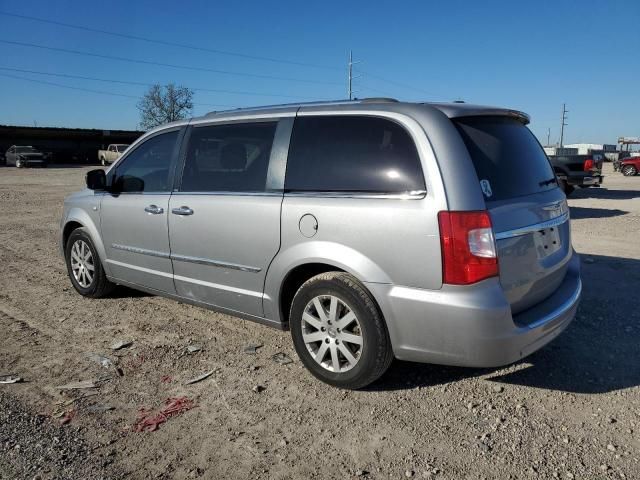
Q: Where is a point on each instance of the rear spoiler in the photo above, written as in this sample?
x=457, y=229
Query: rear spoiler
x=460, y=110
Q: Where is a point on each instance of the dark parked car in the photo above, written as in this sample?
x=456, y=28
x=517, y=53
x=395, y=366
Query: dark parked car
x=630, y=166
x=577, y=171
x=25, y=156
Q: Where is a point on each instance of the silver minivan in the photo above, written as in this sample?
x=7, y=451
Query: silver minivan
x=371, y=229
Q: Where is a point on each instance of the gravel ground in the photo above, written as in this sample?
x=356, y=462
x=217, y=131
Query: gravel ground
x=571, y=410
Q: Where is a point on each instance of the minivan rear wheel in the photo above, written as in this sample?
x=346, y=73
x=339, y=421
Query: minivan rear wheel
x=338, y=331
x=84, y=267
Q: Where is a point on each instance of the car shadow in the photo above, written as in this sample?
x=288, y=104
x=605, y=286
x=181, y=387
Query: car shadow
x=598, y=353
x=605, y=194
x=578, y=213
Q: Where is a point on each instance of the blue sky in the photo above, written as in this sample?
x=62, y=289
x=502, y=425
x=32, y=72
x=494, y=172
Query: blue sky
x=531, y=56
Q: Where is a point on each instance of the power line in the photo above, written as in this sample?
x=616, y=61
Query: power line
x=167, y=43
x=398, y=84
x=170, y=65
x=143, y=84
x=101, y=92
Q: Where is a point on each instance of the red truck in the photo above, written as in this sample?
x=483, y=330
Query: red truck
x=630, y=166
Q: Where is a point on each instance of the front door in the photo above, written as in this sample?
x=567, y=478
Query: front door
x=133, y=216
x=224, y=222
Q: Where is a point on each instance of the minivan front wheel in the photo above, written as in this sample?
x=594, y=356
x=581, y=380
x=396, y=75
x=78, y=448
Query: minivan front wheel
x=338, y=331
x=629, y=171
x=84, y=268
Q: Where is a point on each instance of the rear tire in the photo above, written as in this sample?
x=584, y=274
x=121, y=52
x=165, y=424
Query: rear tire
x=103, y=161
x=629, y=171
x=346, y=343
x=565, y=187
x=84, y=267
x=19, y=164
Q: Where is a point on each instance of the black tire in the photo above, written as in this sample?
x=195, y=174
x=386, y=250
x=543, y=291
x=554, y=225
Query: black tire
x=629, y=171
x=100, y=286
x=376, y=354
x=565, y=187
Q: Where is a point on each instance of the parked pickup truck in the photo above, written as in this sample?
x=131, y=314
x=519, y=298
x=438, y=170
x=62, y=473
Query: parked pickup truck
x=112, y=153
x=577, y=171
x=630, y=166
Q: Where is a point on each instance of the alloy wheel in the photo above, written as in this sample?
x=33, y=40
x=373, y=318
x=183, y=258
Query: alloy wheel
x=82, y=264
x=332, y=333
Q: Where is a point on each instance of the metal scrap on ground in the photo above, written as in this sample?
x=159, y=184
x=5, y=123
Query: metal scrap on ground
x=200, y=378
x=252, y=348
x=10, y=379
x=121, y=344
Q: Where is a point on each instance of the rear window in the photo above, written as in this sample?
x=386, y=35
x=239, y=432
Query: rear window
x=352, y=154
x=507, y=157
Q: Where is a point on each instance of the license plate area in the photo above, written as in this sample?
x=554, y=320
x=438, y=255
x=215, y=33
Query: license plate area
x=547, y=241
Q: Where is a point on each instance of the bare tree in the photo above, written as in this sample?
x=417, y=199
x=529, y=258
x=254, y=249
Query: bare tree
x=162, y=104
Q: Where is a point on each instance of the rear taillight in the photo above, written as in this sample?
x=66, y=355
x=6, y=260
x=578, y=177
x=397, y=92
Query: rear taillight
x=468, y=247
x=588, y=165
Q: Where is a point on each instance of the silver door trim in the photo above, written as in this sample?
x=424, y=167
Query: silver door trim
x=142, y=251
x=218, y=286
x=185, y=258
x=215, y=263
x=140, y=269
x=536, y=227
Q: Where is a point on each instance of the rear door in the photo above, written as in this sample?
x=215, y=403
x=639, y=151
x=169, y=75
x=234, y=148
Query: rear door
x=529, y=212
x=224, y=220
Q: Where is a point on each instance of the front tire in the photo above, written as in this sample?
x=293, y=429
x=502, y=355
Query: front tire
x=84, y=267
x=338, y=331
x=19, y=164
x=629, y=171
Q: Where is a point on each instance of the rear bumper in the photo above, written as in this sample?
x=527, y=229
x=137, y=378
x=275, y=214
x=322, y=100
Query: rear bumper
x=586, y=181
x=473, y=326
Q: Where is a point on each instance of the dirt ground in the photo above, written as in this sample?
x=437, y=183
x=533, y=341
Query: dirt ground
x=571, y=410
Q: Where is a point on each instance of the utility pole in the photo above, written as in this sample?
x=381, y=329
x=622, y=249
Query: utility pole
x=350, y=76
x=548, y=137
x=564, y=122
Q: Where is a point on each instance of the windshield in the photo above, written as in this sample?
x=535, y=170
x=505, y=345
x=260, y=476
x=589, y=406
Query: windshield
x=26, y=150
x=507, y=157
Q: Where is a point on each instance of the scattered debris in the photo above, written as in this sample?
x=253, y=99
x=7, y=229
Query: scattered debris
x=190, y=349
x=147, y=421
x=498, y=388
x=10, y=379
x=200, y=378
x=105, y=362
x=282, y=358
x=121, y=344
x=258, y=388
x=78, y=385
x=252, y=348
x=134, y=361
x=166, y=379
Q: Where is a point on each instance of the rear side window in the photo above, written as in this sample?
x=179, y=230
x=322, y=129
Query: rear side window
x=507, y=157
x=228, y=158
x=352, y=154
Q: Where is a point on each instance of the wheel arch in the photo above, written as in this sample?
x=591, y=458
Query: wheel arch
x=292, y=267
x=78, y=218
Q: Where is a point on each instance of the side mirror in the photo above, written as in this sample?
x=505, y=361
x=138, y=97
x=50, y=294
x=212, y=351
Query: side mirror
x=96, y=179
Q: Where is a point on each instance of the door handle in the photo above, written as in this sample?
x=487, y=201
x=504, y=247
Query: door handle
x=154, y=209
x=182, y=211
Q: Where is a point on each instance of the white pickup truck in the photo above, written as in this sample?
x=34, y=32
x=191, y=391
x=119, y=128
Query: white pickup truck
x=111, y=154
